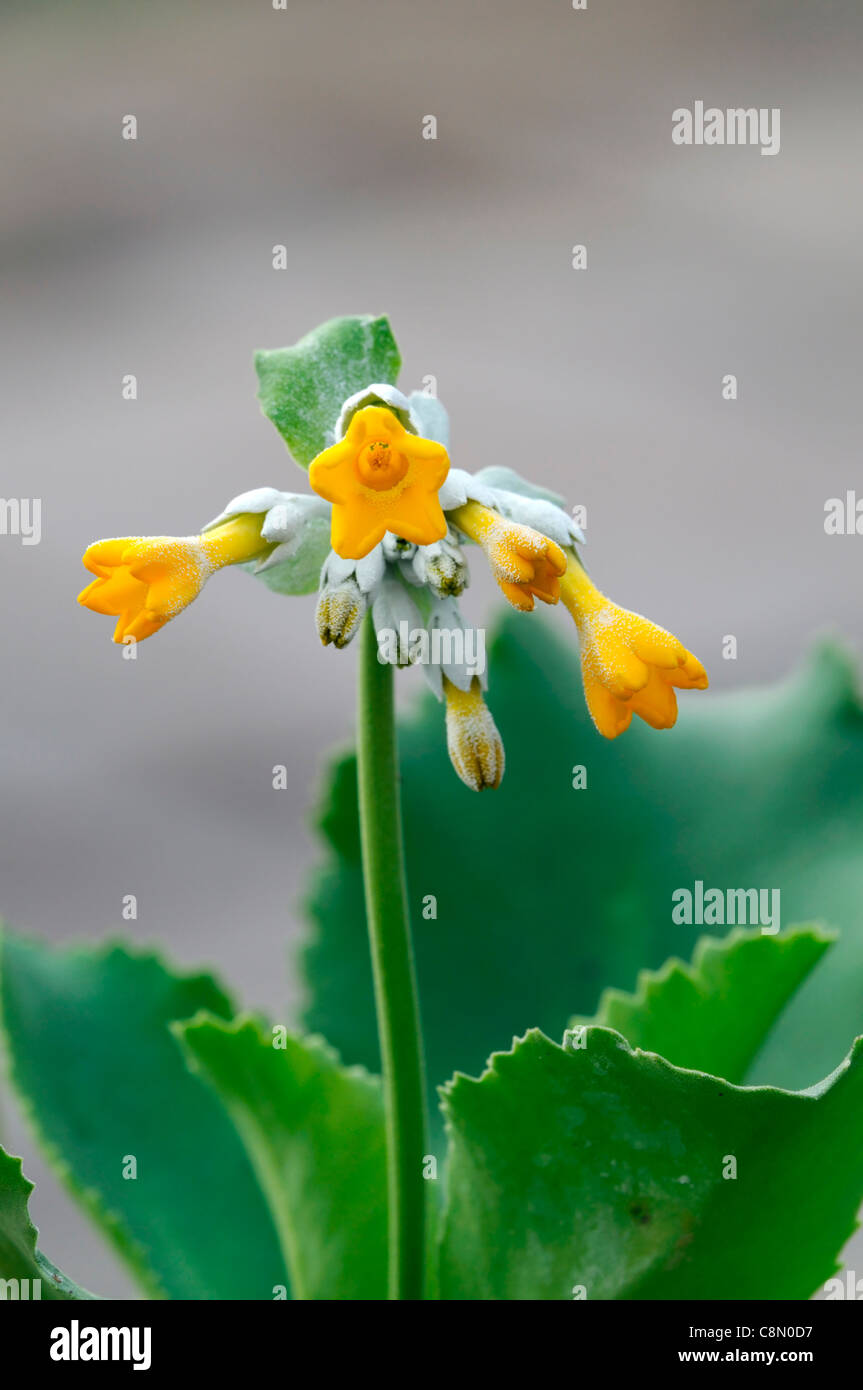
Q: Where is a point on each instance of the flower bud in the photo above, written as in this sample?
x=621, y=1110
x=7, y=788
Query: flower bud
x=442, y=567
x=339, y=612
x=397, y=548
x=474, y=744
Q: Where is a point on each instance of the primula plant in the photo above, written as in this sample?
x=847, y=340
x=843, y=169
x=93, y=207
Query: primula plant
x=383, y=530
x=627, y=1160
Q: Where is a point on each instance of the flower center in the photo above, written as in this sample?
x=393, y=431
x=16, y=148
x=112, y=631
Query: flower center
x=380, y=466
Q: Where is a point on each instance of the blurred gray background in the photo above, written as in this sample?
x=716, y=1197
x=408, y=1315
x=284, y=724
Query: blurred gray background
x=303, y=127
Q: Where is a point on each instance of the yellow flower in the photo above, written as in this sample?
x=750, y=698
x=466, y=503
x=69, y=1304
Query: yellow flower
x=145, y=581
x=474, y=744
x=525, y=563
x=629, y=665
x=381, y=478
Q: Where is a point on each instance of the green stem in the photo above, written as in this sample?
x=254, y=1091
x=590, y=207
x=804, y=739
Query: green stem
x=393, y=966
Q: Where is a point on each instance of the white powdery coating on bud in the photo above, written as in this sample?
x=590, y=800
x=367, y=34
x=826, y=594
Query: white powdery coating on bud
x=396, y=548
x=367, y=573
x=336, y=569
x=460, y=487
x=475, y=747
x=431, y=415
x=378, y=393
x=392, y=608
x=189, y=562
x=371, y=570
x=442, y=566
x=459, y=650
x=299, y=532
x=297, y=525
x=260, y=499
x=286, y=521
x=521, y=501
x=400, y=554
x=339, y=613
x=502, y=479
x=540, y=515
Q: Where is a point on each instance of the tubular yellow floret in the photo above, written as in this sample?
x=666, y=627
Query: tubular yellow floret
x=629, y=665
x=525, y=564
x=145, y=581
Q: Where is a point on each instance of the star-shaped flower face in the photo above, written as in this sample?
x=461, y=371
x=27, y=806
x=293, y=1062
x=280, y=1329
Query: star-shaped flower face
x=381, y=478
x=381, y=538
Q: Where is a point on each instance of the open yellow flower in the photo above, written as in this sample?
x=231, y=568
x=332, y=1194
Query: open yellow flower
x=525, y=564
x=145, y=581
x=381, y=478
x=381, y=535
x=629, y=665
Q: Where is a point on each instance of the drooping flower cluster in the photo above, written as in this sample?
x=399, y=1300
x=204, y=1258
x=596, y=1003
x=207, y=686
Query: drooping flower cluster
x=384, y=533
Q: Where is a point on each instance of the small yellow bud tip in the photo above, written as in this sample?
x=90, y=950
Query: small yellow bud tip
x=381, y=478
x=475, y=747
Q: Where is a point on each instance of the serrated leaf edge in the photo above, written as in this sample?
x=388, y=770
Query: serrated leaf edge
x=648, y=982
x=110, y=1222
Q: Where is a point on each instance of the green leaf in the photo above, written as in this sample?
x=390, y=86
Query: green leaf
x=714, y=1014
x=296, y=568
x=20, y=1261
x=103, y=1080
x=302, y=388
x=546, y=895
x=315, y=1134
x=603, y=1168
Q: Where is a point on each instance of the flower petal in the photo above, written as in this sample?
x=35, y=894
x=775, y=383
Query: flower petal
x=656, y=703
